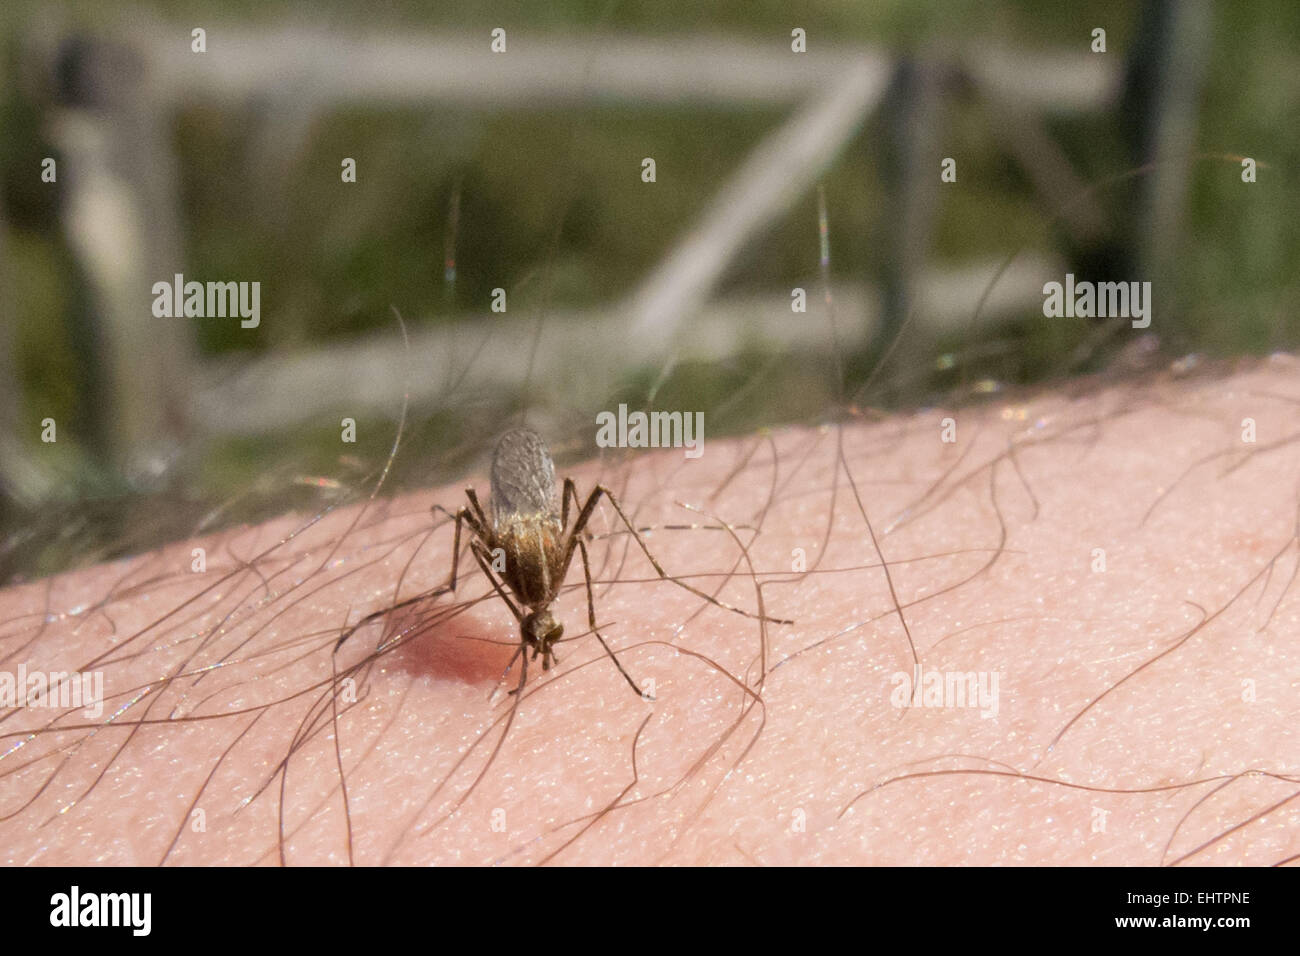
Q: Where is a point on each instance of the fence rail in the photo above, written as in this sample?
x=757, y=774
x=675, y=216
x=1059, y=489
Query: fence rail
x=120, y=96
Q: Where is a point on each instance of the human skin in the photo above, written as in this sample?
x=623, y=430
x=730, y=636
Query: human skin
x=756, y=750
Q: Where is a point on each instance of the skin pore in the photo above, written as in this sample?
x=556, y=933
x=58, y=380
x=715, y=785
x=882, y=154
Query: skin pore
x=1118, y=556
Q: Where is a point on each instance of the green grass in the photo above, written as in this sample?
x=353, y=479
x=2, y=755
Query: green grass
x=552, y=209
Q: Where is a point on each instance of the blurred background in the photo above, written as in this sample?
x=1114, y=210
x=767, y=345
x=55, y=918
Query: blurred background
x=795, y=146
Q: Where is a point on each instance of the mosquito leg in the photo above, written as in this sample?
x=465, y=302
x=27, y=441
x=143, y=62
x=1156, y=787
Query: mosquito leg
x=584, y=513
x=523, y=672
x=513, y=657
x=570, y=490
x=479, y=514
x=591, y=620
x=581, y=523
x=450, y=586
x=476, y=549
x=670, y=527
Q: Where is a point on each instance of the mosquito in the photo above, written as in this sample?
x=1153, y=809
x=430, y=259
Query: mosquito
x=527, y=546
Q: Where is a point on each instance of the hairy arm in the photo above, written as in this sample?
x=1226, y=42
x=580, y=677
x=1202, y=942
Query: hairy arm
x=1096, y=587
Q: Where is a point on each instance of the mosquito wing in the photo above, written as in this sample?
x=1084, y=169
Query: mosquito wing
x=523, y=476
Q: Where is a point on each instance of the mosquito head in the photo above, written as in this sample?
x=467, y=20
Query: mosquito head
x=541, y=630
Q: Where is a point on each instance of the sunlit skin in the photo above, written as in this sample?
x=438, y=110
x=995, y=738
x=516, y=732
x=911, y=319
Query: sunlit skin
x=1146, y=708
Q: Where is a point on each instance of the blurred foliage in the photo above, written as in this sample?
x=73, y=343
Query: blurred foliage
x=547, y=193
